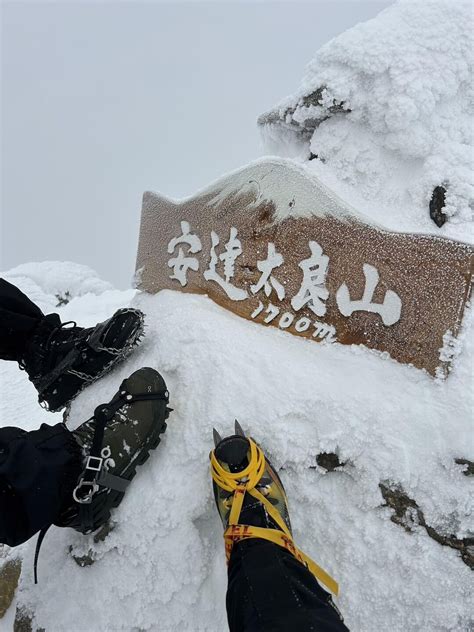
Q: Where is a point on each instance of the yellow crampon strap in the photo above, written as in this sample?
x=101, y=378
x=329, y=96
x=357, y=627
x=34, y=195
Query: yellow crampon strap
x=243, y=482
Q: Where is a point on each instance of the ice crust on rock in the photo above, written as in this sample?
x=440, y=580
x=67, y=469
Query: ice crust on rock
x=386, y=107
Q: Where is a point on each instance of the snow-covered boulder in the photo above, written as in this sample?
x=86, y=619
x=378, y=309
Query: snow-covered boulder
x=384, y=116
x=52, y=284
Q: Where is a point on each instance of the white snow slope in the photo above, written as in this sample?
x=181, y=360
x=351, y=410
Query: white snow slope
x=162, y=568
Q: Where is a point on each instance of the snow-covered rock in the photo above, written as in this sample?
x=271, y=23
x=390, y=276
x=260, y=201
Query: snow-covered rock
x=51, y=284
x=384, y=111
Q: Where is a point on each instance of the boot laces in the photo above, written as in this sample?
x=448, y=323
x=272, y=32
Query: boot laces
x=43, y=350
x=50, y=342
x=58, y=328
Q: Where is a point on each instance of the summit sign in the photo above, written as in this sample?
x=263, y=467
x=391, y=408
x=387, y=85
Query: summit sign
x=275, y=246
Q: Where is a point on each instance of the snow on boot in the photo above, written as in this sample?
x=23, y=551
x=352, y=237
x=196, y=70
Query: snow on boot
x=117, y=439
x=61, y=361
x=251, y=499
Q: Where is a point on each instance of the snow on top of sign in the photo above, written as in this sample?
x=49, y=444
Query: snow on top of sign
x=288, y=185
x=385, y=109
x=292, y=190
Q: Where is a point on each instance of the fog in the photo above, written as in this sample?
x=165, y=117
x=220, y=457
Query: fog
x=101, y=102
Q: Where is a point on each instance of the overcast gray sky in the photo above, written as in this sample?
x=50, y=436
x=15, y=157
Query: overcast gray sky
x=101, y=102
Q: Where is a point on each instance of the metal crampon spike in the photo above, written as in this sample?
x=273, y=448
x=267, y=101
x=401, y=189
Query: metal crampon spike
x=217, y=437
x=238, y=429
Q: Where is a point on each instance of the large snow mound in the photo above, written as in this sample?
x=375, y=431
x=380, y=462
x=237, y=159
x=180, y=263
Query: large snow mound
x=385, y=112
x=163, y=567
x=52, y=283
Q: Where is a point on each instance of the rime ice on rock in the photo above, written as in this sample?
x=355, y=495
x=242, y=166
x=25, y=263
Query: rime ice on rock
x=313, y=291
x=267, y=281
x=379, y=101
x=181, y=263
x=233, y=249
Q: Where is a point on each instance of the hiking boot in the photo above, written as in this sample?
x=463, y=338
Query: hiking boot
x=61, y=361
x=117, y=439
x=251, y=499
x=234, y=454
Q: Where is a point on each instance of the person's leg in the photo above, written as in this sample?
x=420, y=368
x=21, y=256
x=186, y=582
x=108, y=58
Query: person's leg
x=272, y=585
x=74, y=479
x=19, y=317
x=62, y=360
x=269, y=590
x=38, y=471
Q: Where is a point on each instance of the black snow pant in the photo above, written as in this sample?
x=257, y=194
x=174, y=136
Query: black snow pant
x=19, y=317
x=38, y=470
x=270, y=591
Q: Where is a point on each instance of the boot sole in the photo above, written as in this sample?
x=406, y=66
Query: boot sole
x=113, y=499
x=141, y=459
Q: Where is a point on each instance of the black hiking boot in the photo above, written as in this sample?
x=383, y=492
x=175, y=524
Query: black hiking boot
x=251, y=499
x=117, y=439
x=61, y=361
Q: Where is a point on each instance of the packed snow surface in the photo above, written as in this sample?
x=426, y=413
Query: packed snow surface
x=162, y=567
x=386, y=111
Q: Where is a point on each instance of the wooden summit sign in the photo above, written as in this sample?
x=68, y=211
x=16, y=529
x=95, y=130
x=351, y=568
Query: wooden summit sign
x=274, y=245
